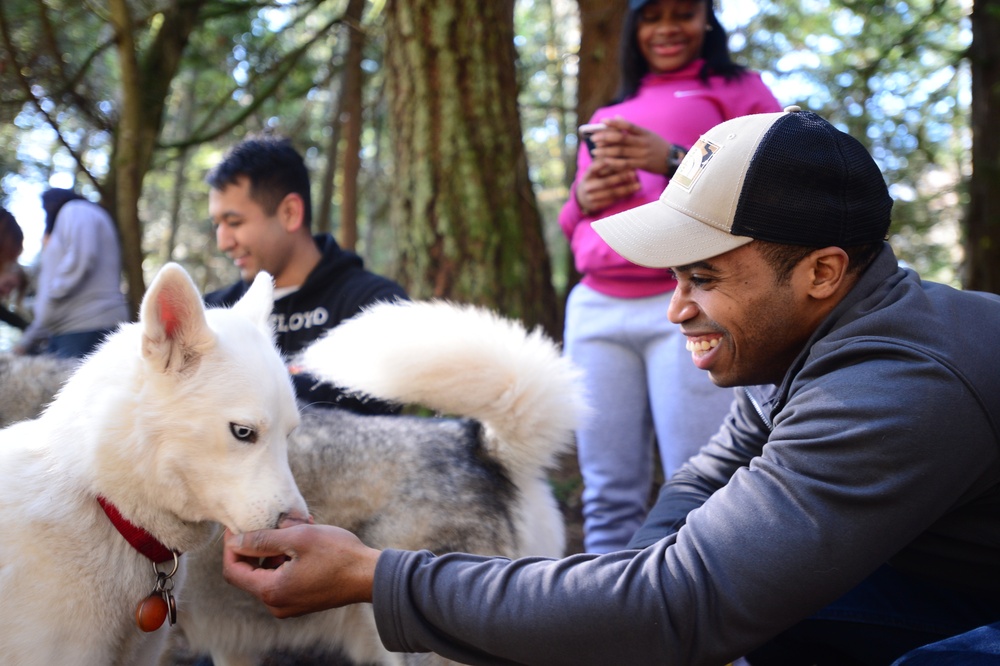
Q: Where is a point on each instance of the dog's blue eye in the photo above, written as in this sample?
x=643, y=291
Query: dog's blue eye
x=243, y=433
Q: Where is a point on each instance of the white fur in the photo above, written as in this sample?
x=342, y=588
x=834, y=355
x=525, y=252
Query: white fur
x=147, y=422
x=468, y=361
x=460, y=360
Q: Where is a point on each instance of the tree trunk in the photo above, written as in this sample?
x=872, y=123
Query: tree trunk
x=126, y=177
x=180, y=171
x=345, y=114
x=323, y=218
x=600, y=34
x=461, y=199
x=145, y=83
x=597, y=81
x=351, y=120
x=982, y=228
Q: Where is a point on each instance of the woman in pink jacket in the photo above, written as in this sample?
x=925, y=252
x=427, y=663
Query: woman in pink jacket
x=677, y=81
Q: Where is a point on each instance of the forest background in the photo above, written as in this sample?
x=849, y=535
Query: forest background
x=441, y=133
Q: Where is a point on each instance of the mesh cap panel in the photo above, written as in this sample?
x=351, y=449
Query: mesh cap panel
x=810, y=184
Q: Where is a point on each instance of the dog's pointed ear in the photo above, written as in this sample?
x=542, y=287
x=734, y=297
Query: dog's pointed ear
x=175, y=333
x=258, y=302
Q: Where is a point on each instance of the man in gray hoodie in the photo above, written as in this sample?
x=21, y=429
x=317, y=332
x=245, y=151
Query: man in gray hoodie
x=847, y=511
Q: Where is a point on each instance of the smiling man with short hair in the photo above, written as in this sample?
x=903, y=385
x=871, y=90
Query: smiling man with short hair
x=259, y=203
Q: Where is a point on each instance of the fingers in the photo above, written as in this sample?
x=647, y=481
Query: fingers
x=601, y=187
x=623, y=126
x=625, y=145
x=246, y=558
x=610, y=196
x=616, y=133
x=258, y=562
x=262, y=543
x=604, y=171
x=604, y=175
x=623, y=155
x=301, y=569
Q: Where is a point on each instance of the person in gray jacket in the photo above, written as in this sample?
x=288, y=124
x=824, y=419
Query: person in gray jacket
x=847, y=511
x=79, y=298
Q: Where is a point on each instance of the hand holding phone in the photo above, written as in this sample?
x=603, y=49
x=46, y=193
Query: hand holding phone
x=586, y=133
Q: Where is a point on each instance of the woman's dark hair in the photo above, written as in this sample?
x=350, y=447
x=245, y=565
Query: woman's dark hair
x=714, y=51
x=52, y=201
x=274, y=168
x=11, y=237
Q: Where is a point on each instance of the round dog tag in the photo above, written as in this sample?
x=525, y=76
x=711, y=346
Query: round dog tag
x=151, y=612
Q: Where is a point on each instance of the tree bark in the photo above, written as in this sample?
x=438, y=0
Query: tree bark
x=600, y=34
x=345, y=121
x=598, y=77
x=982, y=228
x=127, y=179
x=461, y=199
x=351, y=121
x=323, y=218
x=145, y=84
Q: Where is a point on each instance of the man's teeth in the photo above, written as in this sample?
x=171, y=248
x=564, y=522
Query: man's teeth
x=702, y=345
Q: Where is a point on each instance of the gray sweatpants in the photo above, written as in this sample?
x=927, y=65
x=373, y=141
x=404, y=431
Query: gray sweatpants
x=644, y=388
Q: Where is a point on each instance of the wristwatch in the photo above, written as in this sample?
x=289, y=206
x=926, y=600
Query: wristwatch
x=674, y=157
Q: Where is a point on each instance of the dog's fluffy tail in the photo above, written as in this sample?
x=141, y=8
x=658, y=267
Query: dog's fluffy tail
x=462, y=361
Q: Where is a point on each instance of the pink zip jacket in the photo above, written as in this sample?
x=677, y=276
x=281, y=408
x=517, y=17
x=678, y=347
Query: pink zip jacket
x=679, y=107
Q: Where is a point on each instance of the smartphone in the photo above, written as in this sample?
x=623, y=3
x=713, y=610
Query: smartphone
x=587, y=131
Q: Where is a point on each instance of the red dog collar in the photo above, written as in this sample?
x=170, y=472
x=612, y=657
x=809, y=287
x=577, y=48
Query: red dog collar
x=138, y=538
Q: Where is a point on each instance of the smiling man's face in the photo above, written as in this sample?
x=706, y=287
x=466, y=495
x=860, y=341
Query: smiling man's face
x=743, y=326
x=253, y=238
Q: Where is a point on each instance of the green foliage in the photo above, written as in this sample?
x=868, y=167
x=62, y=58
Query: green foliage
x=58, y=68
x=547, y=41
x=249, y=67
x=894, y=75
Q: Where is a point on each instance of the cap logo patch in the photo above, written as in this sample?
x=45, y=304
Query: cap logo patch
x=694, y=163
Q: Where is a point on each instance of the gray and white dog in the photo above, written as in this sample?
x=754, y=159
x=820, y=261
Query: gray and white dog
x=28, y=383
x=473, y=482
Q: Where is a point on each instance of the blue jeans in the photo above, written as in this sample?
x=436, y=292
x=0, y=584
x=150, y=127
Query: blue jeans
x=76, y=345
x=979, y=647
x=883, y=618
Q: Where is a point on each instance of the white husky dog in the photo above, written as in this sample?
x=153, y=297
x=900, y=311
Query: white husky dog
x=176, y=423
x=474, y=484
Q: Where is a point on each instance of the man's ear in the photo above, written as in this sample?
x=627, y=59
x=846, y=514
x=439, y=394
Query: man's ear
x=826, y=272
x=291, y=211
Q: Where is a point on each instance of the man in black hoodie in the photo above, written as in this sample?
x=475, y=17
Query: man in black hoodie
x=260, y=205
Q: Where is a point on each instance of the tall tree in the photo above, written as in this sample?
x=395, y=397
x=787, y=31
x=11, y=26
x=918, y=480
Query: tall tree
x=350, y=117
x=345, y=118
x=598, y=81
x=146, y=76
x=982, y=229
x=134, y=65
x=461, y=198
x=600, y=34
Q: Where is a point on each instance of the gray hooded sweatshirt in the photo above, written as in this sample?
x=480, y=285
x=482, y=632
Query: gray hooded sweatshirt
x=879, y=446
